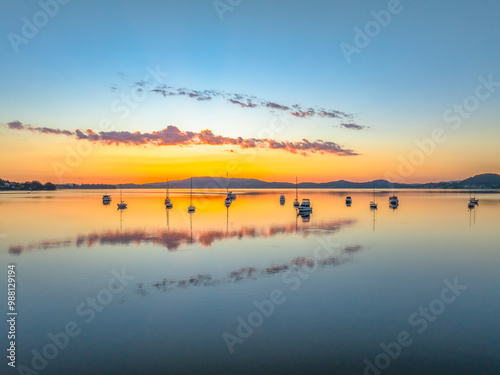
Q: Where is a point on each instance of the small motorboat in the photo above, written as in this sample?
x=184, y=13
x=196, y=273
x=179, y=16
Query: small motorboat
x=305, y=206
x=282, y=199
x=348, y=201
x=393, y=199
x=106, y=199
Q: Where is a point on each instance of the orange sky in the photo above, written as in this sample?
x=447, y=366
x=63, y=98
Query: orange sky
x=62, y=159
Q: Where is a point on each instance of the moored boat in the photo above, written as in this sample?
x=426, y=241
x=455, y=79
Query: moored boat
x=305, y=206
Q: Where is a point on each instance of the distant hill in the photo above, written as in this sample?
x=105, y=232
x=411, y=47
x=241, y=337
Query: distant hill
x=483, y=181
x=487, y=180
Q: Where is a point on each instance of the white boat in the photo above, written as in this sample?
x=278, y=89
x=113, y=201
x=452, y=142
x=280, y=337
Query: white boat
x=471, y=205
x=106, y=199
x=394, y=206
x=227, y=202
x=393, y=199
x=348, y=201
x=282, y=199
x=296, y=203
x=231, y=195
x=305, y=206
x=191, y=208
x=122, y=205
x=168, y=203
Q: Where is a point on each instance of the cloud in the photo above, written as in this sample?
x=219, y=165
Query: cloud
x=303, y=114
x=173, y=136
x=18, y=125
x=353, y=126
x=247, y=101
x=276, y=106
x=248, y=104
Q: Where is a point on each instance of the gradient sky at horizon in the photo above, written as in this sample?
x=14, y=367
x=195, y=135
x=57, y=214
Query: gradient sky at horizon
x=428, y=57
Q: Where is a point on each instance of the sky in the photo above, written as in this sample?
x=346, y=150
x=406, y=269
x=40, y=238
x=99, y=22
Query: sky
x=142, y=91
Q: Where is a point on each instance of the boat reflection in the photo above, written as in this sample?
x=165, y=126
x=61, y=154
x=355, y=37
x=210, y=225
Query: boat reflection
x=306, y=216
x=393, y=206
x=174, y=239
x=249, y=273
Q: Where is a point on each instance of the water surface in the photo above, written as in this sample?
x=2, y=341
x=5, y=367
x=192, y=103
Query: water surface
x=349, y=279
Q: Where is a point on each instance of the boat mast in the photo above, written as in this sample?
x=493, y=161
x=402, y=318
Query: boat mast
x=296, y=190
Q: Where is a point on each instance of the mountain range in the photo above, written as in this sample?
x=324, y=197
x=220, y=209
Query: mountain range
x=482, y=181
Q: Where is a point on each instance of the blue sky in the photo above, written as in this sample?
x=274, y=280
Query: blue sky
x=428, y=57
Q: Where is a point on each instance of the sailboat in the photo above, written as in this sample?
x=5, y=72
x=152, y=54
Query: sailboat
x=296, y=203
x=373, y=205
x=122, y=205
x=168, y=203
x=473, y=200
x=228, y=200
x=191, y=208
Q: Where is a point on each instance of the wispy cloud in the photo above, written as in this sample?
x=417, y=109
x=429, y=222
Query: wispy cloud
x=353, y=126
x=173, y=136
x=247, y=101
x=18, y=125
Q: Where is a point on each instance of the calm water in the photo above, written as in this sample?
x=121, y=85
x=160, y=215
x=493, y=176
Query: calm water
x=316, y=295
